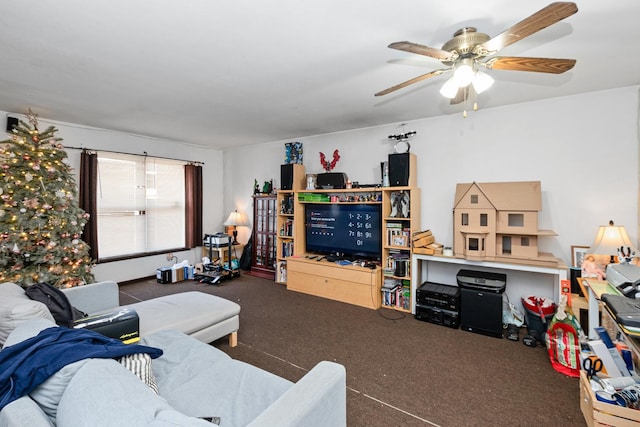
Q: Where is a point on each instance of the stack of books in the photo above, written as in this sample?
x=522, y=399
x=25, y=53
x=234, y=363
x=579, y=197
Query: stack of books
x=396, y=293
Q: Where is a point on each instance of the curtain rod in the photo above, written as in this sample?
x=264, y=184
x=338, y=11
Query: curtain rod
x=132, y=154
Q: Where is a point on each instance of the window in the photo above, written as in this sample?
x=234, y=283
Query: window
x=465, y=219
x=506, y=245
x=473, y=244
x=524, y=241
x=483, y=220
x=140, y=204
x=474, y=199
x=516, y=220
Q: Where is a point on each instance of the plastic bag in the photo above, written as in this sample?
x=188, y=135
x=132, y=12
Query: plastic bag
x=511, y=315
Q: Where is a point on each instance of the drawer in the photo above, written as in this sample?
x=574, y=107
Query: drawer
x=332, y=271
x=362, y=294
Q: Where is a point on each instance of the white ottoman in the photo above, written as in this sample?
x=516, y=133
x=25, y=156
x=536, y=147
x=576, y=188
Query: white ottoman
x=200, y=315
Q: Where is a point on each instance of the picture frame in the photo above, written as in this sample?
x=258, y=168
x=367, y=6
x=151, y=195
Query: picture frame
x=577, y=255
x=399, y=240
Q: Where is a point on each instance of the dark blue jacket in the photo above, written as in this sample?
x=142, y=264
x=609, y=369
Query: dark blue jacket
x=27, y=364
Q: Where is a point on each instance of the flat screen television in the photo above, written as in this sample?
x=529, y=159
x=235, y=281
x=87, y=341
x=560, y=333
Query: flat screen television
x=351, y=231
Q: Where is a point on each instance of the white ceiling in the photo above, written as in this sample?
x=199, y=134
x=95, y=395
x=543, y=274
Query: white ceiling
x=225, y=73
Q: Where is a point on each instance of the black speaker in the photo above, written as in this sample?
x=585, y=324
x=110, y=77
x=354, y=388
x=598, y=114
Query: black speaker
x=12, y=122
x=399, y=169
x=286, y=176
x=330, y=180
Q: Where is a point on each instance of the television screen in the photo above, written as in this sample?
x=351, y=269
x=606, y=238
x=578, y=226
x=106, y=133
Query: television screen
x=350, y=230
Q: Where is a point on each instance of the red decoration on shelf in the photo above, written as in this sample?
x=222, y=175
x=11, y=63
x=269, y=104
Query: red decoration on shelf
x=329, y=166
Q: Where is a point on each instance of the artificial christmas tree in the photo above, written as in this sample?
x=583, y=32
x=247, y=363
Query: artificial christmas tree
x=40, y=220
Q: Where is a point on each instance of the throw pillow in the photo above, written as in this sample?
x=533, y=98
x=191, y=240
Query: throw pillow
x=16, y=309
x=140, y=365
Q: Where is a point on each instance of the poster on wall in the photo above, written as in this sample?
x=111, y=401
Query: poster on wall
x=293, y=153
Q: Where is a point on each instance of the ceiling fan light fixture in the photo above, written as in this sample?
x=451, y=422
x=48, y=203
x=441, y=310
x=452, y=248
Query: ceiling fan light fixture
x=449, y=89
x=481, y=81
x=463, y=72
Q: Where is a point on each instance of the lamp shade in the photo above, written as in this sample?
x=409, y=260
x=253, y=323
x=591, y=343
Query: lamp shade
x=449, y=89
x=610, y=239
x=481, y=81
x=235, y=218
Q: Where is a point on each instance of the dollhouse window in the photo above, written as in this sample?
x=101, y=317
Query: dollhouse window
x=474, y=199
x=524, y=241
x=483, y=220
x=516, y=220
x=506, y=244
x=473, y=244
x=465, y=219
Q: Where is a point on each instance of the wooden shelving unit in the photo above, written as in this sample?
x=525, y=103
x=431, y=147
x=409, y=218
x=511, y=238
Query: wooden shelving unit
x=402, y=221
x=397, y=230
x=290, y=228
x=363, y=285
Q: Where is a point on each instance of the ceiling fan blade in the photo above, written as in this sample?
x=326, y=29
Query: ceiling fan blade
x=422, y=50
x=541, y=19
x=538, y=65
x=412, y=81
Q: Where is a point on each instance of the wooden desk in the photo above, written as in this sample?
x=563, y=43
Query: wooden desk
x=420, y=271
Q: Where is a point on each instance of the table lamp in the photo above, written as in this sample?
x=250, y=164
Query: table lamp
x=234, y=220
x=613, y=240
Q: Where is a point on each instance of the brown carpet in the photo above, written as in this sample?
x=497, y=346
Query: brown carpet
x=400, y=371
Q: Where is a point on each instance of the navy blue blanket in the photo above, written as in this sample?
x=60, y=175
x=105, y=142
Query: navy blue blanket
x=26, y=365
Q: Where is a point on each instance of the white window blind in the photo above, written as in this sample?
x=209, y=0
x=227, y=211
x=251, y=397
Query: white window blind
x=140, y=203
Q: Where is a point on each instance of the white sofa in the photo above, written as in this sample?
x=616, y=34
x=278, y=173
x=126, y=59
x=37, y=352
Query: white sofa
x=194, y=380
x=203, y=316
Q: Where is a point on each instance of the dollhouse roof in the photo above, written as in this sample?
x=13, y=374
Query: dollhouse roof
x=505, y=196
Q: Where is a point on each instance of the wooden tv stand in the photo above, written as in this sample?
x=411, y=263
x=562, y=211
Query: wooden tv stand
x=346, y=283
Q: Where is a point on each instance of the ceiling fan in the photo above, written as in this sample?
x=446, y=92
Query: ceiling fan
x=469, y=51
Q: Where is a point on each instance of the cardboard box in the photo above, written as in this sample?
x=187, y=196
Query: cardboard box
x=163, y=275
x=122, y=324
x=420, y=234
x=423, y=241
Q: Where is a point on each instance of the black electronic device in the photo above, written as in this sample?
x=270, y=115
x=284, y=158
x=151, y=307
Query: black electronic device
x=625, y=311
x=286, y=176
x=122, y=323
x=438, y=295
x=351, y=230
x=481, y=301
x=331, y=180
x=399, y=169
x=437, y=315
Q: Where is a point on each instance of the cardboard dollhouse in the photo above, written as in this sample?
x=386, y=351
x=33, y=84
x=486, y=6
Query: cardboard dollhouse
x=498, y=221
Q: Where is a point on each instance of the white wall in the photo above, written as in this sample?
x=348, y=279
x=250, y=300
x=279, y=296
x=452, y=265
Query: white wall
x=100, y=139
x=583, y=149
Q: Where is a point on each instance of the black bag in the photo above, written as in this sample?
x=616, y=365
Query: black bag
x=56, y=301
x=246, y=258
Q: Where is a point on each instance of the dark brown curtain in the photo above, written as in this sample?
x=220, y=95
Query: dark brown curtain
x=88, y=199
x=193, y=205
